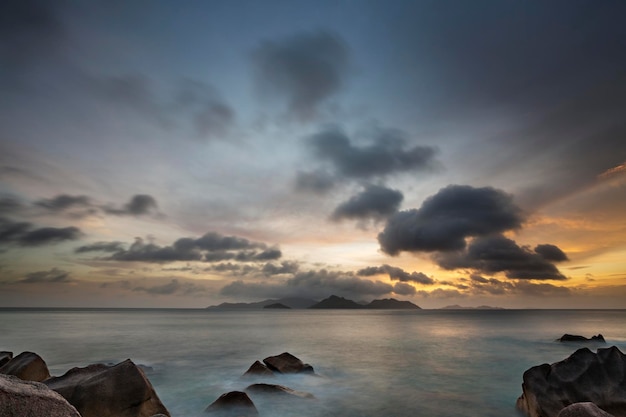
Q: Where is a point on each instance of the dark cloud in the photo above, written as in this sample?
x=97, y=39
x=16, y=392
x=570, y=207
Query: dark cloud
x=397, y=274
x=494, y=254
x=63, y=202
x=446, y=219
x=101, y=247
x=212, y=247
x=138, y=205
x=551, y=253
x=10, y=205
x=30, y=32
x=54, y=275
x=49, y=235
x=285, y=267
x=25, y=234
x=10, y=231
x=374, y=202
x=402, y=288
x=318, y=182
x=387, y=155
x=305, y=69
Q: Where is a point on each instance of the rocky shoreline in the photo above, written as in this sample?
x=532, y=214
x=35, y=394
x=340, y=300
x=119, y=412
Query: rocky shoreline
x=586, y=384
x=28, y=390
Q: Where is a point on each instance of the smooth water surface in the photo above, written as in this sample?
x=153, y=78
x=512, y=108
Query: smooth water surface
x=371, y=363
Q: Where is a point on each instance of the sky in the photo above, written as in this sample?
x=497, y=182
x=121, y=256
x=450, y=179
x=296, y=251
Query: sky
x=188, y=153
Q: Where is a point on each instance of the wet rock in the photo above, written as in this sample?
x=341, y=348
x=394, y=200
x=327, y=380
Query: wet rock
x=583, y=377
x=278, y=390
x=99, y=390
x=19, y=398
x=27, y=366
x=286, y=363
x=576, y=338
x=258, y=369
x=5, y=357
x=234, y=403
x=586, y=409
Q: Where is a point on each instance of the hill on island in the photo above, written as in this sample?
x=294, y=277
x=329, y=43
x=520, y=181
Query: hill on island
x=332, y=302
x=335, y=302
x=290, y=302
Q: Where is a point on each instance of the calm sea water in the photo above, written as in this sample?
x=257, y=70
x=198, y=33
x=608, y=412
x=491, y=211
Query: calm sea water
x=371, y=363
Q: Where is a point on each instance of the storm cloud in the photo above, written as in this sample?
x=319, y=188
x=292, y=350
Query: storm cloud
x=494, y=254
x=446, y=219
x=305, y=69
x=374, y=202
x=397, y=274
x=138, y=205
x=388, y=154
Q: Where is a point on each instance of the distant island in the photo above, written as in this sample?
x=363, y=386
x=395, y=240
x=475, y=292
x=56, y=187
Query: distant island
x=332, y=302
x=458, y=307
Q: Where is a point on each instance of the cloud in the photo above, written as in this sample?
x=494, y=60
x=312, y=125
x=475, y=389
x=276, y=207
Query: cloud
x=30, y=32
x=374, y=202
x=10, y=205
x=285, y=267
x=402, y=288
x=494, y=254
x=138, y=205
x=387, y=155
x=551, y=253
x=305, y=69
x=100, y=247
x=397, y=274
x=174, y=287
x=211, y=116
x=211, y=247
x=24, y=234
x=317, y=182
x=446, y=219
x=53, y=275
x=63, y=202
x=315, y=284
x=49, y=235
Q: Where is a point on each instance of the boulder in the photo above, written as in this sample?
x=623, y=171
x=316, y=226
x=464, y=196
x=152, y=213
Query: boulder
x=286, y=363
x=234, y=403
x=27, y=366
x=120, y=390
x=583, y=377
x=576, y=338
x=19, y=398
x=583, y=410
x=278, y=390
x=258, y=369
x=5, y=357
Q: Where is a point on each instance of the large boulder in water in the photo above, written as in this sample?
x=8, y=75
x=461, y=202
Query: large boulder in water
x=258, y=369
x=286, y=363
x=234, y=403
x=120, y=390
x=27, y=366
x=19, y=398
x=5, y=357
x=273, y=389
x=583, y=410
x=583, y=377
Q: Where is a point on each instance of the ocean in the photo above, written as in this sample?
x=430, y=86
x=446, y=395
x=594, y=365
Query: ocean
x=439, y=363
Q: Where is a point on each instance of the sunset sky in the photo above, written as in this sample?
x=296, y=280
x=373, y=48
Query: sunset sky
x=187, y=153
